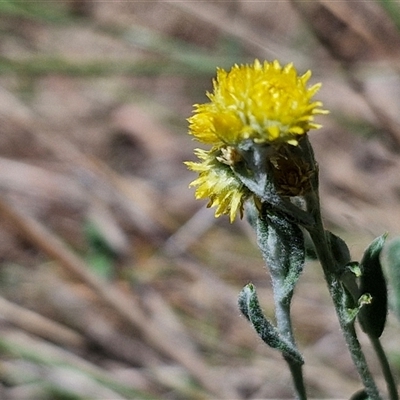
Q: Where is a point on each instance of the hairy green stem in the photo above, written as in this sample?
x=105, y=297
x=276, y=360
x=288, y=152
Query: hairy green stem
x=282, y=246
x=284, y=326
x=387, y=373
x=326, y=259
x=324, y=252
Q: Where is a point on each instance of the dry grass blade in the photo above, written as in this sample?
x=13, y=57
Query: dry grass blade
x=94, y=97
x=228, y=21
x=352, y=31
x=123, y=304
x=62, y=366
x=370, y=36
x=39, y=325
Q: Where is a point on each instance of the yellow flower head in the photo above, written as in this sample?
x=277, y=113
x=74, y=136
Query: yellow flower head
x=217, y=182
x=263, y=102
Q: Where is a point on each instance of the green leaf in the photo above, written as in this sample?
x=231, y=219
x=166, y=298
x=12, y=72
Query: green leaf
x=348, y=278
x=360, y=395
x=340, y=251
x=391, y=262
x=101, y=256
x=311, y=253
x=372, y=316
x=250, y=307
x=282, y=246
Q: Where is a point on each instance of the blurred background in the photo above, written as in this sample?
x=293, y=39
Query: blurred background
x=114, y=282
